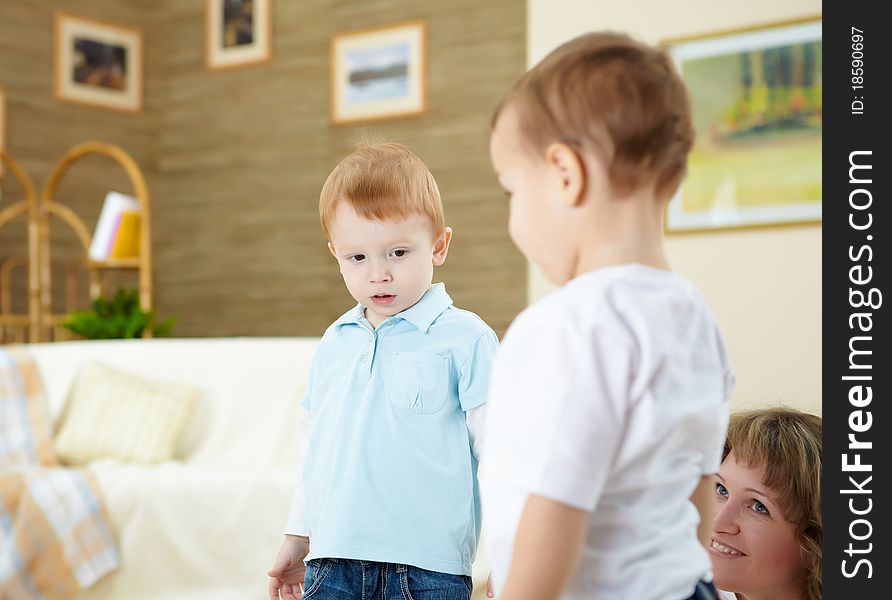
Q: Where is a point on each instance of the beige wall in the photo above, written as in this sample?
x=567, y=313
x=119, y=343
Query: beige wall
x=763, y=285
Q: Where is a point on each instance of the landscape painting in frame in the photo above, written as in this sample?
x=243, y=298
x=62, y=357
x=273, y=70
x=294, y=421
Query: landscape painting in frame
x=379, y=73
x=98, y=63
x=237, y=33
x=756, y=97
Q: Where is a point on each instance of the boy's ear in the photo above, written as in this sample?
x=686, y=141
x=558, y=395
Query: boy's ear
x=441, y=246
x=332, y=250
x=567, y=165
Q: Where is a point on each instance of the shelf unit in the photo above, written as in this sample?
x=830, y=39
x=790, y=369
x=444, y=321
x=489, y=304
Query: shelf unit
x=50, y=207
x=41, y=323
x=20, y=327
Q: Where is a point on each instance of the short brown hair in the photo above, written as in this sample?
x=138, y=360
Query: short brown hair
x=612, y=96
x=786, y=444
x=382, y=181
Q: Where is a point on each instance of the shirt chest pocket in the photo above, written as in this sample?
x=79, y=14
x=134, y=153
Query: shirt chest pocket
x=418, y=382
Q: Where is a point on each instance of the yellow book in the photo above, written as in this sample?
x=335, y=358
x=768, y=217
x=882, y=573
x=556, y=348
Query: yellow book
x=126, y=241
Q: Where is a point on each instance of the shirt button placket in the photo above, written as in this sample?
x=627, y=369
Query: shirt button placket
x=369, y=357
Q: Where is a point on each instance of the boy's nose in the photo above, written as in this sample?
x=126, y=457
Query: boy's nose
x=379, y=274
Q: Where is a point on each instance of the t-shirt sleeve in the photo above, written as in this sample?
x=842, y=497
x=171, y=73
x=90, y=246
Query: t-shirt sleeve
x=307, y=401
x=558, y=408
x=476, y=421
x=712, y=461
x=474, y=373
x=296, y=524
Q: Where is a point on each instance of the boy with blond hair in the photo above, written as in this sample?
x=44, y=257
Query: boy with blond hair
x=389, y=507
x=608, y=403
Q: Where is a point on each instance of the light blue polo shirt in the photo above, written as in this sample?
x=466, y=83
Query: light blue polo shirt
x=389, y=475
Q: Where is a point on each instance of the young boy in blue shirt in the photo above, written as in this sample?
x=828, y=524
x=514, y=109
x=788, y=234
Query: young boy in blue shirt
x=389, y=507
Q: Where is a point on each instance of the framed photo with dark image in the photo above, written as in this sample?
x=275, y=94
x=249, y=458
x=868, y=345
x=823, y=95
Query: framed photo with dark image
x=757, y=101
x=379, y=73
x=97, y=63
x=238, y=33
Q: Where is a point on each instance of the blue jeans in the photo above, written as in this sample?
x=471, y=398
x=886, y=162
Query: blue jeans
x=345, y=579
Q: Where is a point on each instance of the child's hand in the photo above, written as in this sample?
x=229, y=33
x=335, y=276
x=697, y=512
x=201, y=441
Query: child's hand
x=287, y=574
x=489, y=592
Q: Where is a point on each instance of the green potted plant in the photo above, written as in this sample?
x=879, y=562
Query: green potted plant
x=120, y=317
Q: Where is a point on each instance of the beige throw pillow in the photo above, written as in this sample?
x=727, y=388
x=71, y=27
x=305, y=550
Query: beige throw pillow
x=116, y=414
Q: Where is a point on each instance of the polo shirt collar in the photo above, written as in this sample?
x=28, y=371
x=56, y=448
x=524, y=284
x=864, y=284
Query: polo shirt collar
x=353, y=316
x=422, y=314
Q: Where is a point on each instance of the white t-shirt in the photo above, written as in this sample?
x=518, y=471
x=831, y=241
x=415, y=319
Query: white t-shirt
x=610, y=395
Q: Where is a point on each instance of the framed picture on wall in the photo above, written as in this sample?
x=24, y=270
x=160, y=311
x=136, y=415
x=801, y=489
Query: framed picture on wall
x=237, y=32
x=756, y=96
x=379, y=73
x=97, y=63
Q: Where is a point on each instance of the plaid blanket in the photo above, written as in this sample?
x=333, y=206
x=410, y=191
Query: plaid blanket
x=55, y=538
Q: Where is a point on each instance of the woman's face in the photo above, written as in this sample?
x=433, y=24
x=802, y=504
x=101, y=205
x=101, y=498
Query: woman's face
x=754, y=550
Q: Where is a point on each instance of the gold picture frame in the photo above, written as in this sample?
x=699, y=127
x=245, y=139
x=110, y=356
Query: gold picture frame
x=96, y=63
x=756, y=98
x=237, y=33
x=379, y=72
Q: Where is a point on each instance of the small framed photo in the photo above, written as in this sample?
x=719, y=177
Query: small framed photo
x=97, y=63
x=379, y=73
x=238, y=32
x=756, y=96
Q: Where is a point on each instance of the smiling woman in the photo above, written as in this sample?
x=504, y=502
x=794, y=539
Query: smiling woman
x=766, y=538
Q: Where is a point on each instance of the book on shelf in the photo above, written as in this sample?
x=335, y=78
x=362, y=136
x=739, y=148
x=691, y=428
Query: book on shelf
x=109, y=227
x=125, y=244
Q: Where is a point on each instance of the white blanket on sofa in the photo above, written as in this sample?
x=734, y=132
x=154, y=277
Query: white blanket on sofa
x=188, y=533
x=208, y=524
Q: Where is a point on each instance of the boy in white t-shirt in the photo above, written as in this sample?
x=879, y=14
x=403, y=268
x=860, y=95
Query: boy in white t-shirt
x=608, y=401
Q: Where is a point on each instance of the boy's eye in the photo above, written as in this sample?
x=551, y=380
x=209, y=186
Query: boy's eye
x=720, y=490
x=399, y=252
x=357, y=258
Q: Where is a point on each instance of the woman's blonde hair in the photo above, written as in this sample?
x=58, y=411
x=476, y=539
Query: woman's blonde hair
x=382, y=181
x=786, y=444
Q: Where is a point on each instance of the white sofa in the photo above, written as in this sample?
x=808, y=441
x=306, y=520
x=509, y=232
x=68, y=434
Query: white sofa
x=208, y=523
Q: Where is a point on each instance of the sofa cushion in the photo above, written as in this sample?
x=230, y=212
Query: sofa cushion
x=113, y=413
